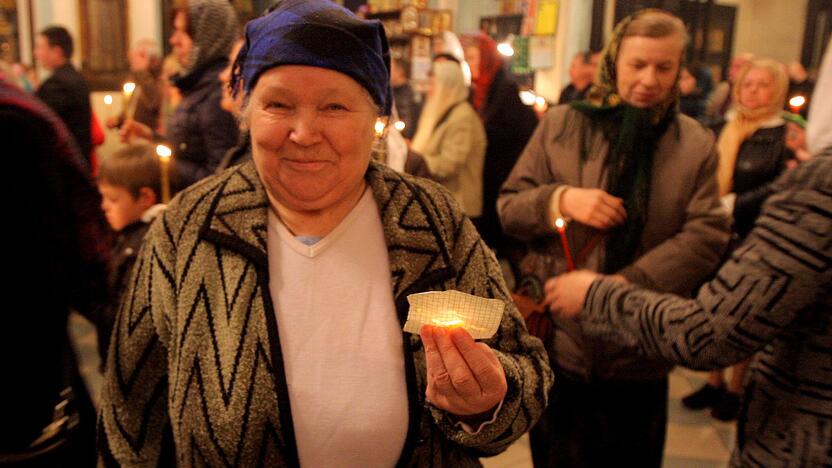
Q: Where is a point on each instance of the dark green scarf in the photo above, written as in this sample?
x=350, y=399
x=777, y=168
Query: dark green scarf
x=633, y=135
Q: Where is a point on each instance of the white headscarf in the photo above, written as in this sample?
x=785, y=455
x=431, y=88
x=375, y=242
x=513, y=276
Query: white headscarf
x=819, y=131
x=448, y=90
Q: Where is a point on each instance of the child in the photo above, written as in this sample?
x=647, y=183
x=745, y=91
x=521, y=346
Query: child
x=129, y=182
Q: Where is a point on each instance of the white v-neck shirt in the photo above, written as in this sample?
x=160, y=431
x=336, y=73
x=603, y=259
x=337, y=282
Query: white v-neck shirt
x=341, y=341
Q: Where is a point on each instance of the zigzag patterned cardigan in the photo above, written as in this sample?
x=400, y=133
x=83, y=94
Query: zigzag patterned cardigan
x=771, y=300
x=196, y=370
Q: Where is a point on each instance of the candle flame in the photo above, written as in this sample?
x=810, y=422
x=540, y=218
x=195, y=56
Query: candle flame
x=797, y=101
x=108, y=99
x=128, y=88
x=399, y=125
x=560, y=223
x=164, y=152
x=448, y=318
x=447, y=323
x=379, y=127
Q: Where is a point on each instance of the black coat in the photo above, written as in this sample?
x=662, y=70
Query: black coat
x=68, y=94
x=200, y=130
x=123, y=256
x=508, y=126
x=761, y=159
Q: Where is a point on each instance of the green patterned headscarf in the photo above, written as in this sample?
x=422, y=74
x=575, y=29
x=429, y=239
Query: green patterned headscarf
x=633, y=134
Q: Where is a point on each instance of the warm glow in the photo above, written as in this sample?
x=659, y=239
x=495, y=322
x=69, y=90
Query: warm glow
x=527, y=97
x=379, y=127
x=128, y=88
x=448, y=318
x=399, y=125
x=108, y=99
x=164, y=152
x=505, y=48
x=560, y=223
x=797, y=101
x=540, y=104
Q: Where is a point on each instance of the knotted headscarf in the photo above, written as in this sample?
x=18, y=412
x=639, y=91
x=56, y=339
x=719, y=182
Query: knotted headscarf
x=317, y=33
x=633, y=134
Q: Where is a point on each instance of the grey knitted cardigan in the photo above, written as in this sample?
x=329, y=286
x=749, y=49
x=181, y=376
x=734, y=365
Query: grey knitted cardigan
x=772, y=298
x=196, y=370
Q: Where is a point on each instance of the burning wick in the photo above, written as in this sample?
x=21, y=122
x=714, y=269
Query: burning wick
x=560, y=225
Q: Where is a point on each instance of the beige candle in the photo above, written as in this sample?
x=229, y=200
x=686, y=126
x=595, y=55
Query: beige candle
x=164, y=163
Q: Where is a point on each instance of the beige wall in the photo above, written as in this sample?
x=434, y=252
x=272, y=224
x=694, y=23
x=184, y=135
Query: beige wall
x=769, y=28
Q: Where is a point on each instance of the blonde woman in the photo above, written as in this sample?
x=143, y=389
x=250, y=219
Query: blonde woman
x=752, y=153
x=451, y=138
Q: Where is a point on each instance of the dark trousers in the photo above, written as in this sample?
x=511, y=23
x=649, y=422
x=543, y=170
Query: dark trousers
x=602, y=424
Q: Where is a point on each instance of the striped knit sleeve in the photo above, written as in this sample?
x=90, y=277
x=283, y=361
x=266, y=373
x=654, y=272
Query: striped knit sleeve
x=133, y=414
x=781, y=272
x=522, y=356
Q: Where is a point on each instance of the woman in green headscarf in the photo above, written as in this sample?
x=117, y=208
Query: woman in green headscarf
x=635, y=182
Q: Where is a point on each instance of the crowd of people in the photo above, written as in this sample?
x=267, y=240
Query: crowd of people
x=649, y=219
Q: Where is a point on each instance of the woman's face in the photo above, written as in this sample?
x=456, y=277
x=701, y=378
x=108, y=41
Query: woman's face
x=180, y=40
x=646, y=69
x=757, y=88
x=312, y=131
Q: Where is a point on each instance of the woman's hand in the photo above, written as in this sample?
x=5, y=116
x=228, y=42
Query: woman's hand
x=593, y=207
x=131, y=129
x=465, y=378
x=566, y=293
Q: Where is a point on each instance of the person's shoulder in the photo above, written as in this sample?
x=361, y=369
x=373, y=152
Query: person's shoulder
x=693, y=134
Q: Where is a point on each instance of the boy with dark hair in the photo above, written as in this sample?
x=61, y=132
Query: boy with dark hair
x=129, y=182
x=65, y=91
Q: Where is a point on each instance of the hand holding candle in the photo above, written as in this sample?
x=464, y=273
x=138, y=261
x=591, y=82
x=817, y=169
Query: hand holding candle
x=465, y=378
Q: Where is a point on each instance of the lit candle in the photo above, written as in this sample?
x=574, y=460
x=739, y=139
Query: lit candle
x=399, y=125
x=380, y=126
x=108, y=106
x=448, y=319
x=560, y=225
x=796, y=103
x=128, y=89
x=164, y=162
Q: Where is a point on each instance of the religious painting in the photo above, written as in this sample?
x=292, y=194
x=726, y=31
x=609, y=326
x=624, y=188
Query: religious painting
x=104, y=42
x=9, y=47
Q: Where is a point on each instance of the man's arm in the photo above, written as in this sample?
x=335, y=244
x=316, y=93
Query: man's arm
x=781, y=271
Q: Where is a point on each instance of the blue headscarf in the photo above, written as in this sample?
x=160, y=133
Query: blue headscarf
x=317, y=33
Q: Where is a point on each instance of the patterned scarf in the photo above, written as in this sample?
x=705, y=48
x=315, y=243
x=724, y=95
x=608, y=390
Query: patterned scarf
x=213, y=24
x=317, y=33
x=633, y=134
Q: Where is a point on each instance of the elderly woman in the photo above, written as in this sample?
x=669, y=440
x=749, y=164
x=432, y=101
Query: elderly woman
x=637, y=180
x=264, y=326
x=752, y=153
x=451, y=137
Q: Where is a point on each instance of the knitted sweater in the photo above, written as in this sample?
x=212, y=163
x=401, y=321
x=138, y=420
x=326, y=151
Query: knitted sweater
x=196, y=352
x=771, y=298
